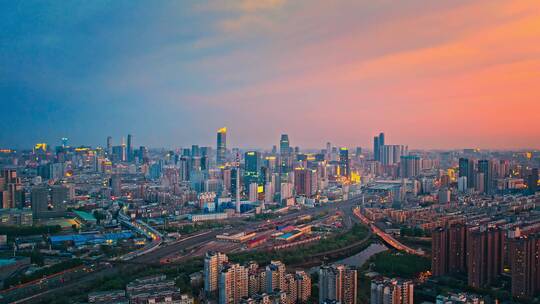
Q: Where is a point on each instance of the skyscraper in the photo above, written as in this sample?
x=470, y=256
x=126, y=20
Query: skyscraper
x=213, y=263
x=195, y=150
x=123, y=151
x=285, y=153
x=381, y=139
x=129, y=151
x=466, y=169
x=237, y=183
x=376, y=148
x=221, y=149
x=344, y=162
x=284, y=146
x=484, y=167
x=252, y=168
x=378, y=142
x=109, y=145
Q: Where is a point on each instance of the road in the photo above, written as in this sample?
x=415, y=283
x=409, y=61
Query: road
x=154, y=256
x=390, y=240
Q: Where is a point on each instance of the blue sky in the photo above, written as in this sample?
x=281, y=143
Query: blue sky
x=173, y=72
x=87, y=69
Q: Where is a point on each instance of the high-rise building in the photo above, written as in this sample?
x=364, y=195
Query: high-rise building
x=305, y=181
x=484, y=167
x=256, y=279
x=226, y=176
x=39, y=196
x=284, y=145
x=466, y=169
x=221, y=149
x=184, y=168
x=268, y=193
x=524, y=253
x=462, y=184
x=448, y=250
x=344, y=162
x=59, y=197
x=378, y=142
x=11, y=190
x=213, y=263
x=409, y=166
x=286, y=191
x=291, y=288
x=143, y=154
x=484, y=255
x=392, y=291
x=358, y=152
x=391, y=154
x=233, y=283
x=252, y=168
x=532, y=181
x=116, y=185
x=237, y=183
x=129, y=151
x=376, y=149
x=253, y=192
x=123, y=156
x=195, y=150
x=285, y=153
x=275, y=276
x=339, y=283
x=381, y=139
x=109, y=145
x=464, y=166
x=303, y=286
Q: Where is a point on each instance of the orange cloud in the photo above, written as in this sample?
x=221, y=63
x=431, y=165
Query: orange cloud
x=443, y=79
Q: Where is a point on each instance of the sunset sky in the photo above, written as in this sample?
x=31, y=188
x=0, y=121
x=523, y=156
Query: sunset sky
x=430, y=74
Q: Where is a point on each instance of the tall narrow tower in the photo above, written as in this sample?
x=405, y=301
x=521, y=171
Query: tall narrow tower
x=109, y=146
x=238, y=183
x=124, y=154
x=221, y=146
x=129, y=151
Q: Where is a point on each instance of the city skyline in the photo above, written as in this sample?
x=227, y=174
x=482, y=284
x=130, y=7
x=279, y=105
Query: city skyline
x=423, y=73
x=270, y=151
x=121, y=141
